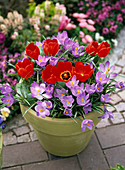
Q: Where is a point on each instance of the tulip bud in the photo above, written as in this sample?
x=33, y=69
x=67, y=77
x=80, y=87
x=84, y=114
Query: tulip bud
x=37, y=9
x=10, y=15
x=3, y=26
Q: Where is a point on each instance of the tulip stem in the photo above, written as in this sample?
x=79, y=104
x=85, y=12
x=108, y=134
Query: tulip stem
x=38, y=77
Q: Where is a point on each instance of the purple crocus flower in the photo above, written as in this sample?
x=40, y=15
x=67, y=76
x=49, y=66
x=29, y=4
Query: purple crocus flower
x=49, y=89
x=39, y=43
x=42, y=60
x=68, y=112
x=119, y=85
x=78, y=90
x=90, y=89
x=61, y=37
x=41, y=109
x=37, y=91
x=82, y=99
x=48, y=104
x=11, y=71
x=67, y=101
x=60, y=93
x=53, y=60
x=72, y=83
x=99, y=88
x=105, y=98
x=101, y=78
x=2, y=125
x=87, y=108
x=77, y=51
x=6, y=89
x=107, y=114
x=8, y=100
x=87, y=123
x=68, y=43
x=107, y=69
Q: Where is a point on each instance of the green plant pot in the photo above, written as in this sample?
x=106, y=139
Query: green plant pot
x=60, y=137
x=1, y=146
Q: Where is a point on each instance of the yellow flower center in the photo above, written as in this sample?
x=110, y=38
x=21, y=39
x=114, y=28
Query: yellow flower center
x=82, y=99
x=67, y=101
x=104, y=99
x=100, y=79
x=72, y=83
x=66, y=112
x=63, y=39
x=87, y=123
x=62, y=94
x=108, y=70
x=82, y=74
x=41, y=60
x=75, y=52
x=4, y=113
x=41, y=110
x=7, y=100
x=47, y=105
x=78, y=91
x=65, y=76
x=97, y=88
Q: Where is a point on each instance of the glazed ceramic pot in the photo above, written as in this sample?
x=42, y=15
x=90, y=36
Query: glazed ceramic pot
x=60, y=136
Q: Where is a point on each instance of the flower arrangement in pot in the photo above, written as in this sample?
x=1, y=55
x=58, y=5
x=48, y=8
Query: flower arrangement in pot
x=63, y=92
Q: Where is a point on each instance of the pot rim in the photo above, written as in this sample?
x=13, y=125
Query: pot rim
x=47, y=118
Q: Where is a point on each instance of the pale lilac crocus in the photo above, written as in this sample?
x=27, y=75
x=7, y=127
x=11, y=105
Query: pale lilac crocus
x=87, y=123
x=83, y=99
x=73, y=82
x=8, y=100
x=42, y=60
x=105, y=98
x=38, y=91
x=99, y=88
x=77, y=50
x=101, y=78
x=67, y=101
x=48, y=104
x=41, y=109
x=68, y=43
x=60, y=93
x=61, y=37
x=53, y=60
x=107, y=114
x=6, y=89
x=90, y=89
x=87, y=108
x=108, y=69
x=119, y=85
x=68, y=112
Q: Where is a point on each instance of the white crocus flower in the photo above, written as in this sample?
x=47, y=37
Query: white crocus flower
x=98, y=37
x=5, y=112
x=115, y=42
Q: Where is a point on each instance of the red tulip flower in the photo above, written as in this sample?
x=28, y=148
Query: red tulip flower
x=92, y=48
x=83, y=72
x=33, y=51
x=103, y=49
x=25, y=68
x=50, y=47
x=48, y=74
x=64, y=71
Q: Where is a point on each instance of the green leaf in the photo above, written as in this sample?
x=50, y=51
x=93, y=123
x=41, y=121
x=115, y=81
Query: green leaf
x=29, y=108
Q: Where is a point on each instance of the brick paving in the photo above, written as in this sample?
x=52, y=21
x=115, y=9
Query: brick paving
x=22, y=150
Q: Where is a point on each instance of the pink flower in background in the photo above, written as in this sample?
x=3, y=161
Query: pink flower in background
x=105, y=31
x=91, y=22
x=90, y=27
x=64, y=21
x=81, y=20
x=83, y=24
x=113, y=28
x=84, y=40
x=76, y=15
x=70, y=26
x=111, y=22
x=81, y=34
x=81, y=15
x=88, y=38
x=123, y=10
